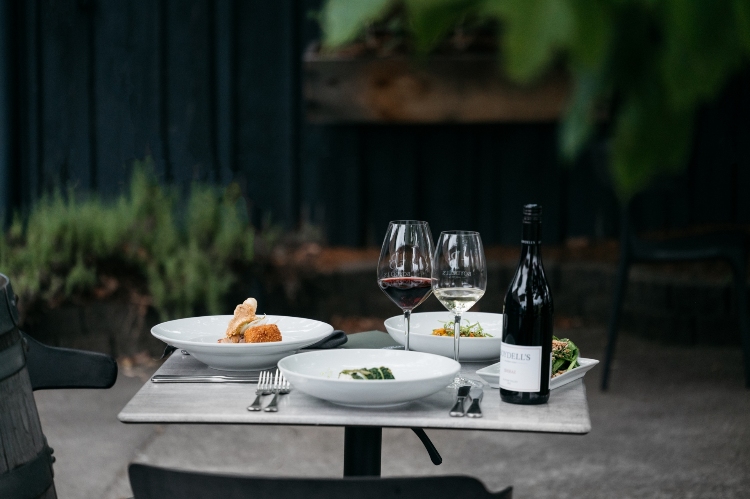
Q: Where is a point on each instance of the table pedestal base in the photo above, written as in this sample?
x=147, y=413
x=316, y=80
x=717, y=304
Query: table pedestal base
x=362, y=450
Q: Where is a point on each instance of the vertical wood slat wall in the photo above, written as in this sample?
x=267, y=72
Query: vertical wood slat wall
x=211, y=90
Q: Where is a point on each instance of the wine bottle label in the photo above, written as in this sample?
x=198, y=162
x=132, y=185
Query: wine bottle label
x=520, y=368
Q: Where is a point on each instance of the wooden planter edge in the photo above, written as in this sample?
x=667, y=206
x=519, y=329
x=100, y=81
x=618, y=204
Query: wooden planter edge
x=440, y=89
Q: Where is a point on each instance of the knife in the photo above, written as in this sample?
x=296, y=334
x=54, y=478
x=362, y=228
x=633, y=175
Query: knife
x=458, y=409
x=203, y=378
x=474, y=410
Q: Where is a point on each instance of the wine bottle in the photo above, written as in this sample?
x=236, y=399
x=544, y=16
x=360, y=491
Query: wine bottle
x=526, y=349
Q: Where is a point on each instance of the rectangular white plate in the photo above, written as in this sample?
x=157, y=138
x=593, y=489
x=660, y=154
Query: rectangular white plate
x=491, y=374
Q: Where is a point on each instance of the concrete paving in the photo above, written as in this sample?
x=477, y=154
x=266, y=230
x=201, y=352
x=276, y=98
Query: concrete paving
x=675, y=423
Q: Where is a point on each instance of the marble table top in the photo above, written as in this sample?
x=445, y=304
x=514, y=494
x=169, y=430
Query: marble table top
x=217, y=403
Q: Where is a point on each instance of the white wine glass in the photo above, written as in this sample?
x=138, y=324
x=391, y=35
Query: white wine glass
x=459, y=279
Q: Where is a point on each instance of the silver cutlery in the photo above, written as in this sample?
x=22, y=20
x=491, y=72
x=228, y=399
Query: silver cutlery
x=474, y=411
x=264, y=388
x=458, y=409
x=280, y=387
x=204, y=378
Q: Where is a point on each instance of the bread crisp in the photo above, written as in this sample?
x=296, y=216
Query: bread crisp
x=244, y=314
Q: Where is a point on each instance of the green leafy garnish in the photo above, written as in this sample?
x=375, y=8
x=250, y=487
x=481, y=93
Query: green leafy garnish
x=367, y=373
x=564, y=356
x=468, y=330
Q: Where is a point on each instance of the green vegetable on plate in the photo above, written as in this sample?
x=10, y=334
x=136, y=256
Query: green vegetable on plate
x=564, y=356
x=367, y=373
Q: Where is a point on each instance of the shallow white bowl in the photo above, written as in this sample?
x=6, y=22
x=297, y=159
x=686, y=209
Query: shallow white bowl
x=470, y=349
x=491, y=374
x=199, y=336
x=417, y=375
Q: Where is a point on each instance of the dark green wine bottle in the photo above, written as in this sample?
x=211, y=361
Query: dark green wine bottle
x=526, y=350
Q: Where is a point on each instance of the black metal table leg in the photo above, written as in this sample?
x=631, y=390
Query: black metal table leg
x=362, y=446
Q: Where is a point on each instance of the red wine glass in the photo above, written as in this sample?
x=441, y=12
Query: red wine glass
x=405, y=266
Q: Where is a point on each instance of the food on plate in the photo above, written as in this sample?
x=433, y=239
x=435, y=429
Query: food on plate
x=468, y=330
x=367, y=373
x=247, y=327
x=564, y=356
x=262, y=334
x=244, y=314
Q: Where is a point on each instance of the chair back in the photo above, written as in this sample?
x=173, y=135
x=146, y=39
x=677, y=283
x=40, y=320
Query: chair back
x=150, y=482
x=25, y=458
x=27, y=365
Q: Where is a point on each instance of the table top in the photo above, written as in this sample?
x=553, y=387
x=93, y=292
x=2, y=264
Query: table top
x=226, y=403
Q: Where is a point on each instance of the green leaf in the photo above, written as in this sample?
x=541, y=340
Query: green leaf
x=557, y=364
x=701, y=45
x=590, y=40
x=343, y=20
x=431, y=20
x=580, y=119
x=650, y=140
x=533, y=32
x=742, y=18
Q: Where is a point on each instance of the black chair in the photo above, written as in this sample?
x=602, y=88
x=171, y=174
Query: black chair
x=728, y=246
x=25, y=366
x=150, y=482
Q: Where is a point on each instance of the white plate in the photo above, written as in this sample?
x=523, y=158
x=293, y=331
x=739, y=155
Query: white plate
x=491, y=374
x=417, y=375
x=199, y=336
x=470, y=349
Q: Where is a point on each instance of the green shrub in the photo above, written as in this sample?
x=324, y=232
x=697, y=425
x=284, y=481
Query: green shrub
x=186, y=254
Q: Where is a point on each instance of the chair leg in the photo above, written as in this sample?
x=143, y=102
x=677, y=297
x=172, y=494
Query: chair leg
x=742, y=307
x=614, y=320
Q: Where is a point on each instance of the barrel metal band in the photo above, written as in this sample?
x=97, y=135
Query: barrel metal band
x=12, y=360
x=29, y=480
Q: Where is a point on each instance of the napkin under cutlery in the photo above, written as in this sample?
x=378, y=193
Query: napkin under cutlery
x=333, y=340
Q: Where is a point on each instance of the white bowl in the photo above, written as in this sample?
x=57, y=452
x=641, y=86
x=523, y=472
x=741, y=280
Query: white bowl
x=491, y=374
x=199, y=337
x=417, y=375
x=470, y=349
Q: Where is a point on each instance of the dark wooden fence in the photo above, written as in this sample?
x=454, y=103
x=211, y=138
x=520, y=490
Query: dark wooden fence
x=211, y=90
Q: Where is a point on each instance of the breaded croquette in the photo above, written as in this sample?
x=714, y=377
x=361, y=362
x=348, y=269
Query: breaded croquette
x=262, y=334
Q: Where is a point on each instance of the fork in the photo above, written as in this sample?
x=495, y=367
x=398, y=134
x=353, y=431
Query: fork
x=264, y=388
x=280, y=386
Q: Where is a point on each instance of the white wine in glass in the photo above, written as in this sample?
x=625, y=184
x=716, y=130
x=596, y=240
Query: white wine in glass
x=459, y=279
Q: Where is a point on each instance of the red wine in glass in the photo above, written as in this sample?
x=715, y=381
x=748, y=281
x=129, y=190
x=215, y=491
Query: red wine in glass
x=405, y=266
x=406, y=292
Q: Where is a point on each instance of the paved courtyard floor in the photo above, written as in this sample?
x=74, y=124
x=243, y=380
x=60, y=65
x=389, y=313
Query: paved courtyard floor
x=675, y=423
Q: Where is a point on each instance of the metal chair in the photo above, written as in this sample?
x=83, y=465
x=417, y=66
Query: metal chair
x=150, y=482
x=728, y=246
x=27, y=365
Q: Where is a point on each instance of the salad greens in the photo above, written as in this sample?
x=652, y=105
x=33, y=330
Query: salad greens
x=367, y=373
x=467, y=329
x=564, y=356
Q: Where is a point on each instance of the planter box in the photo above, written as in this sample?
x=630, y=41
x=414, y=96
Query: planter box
x=113, y=327
x=456, y=89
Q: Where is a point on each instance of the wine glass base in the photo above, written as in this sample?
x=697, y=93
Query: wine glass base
x=459, y=381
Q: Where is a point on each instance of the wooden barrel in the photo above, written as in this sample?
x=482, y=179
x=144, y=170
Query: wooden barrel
x=25, y=459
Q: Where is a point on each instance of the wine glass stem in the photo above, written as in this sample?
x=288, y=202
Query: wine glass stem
x=407, y=321
x=456, y=336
